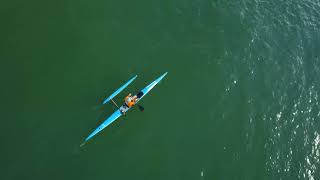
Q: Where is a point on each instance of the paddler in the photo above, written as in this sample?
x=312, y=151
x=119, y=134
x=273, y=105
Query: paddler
x=130, y=100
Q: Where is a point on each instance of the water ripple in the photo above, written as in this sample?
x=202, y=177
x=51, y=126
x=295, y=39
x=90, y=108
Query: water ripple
x=288, y=31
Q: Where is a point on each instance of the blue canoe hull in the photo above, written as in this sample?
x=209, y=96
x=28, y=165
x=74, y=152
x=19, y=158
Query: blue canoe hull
x=118, y=113
x=106, y=123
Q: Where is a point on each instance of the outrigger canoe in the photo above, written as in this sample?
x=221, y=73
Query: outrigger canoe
x=123, y=109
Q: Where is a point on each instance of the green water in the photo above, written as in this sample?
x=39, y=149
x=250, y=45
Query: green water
x=241, y=100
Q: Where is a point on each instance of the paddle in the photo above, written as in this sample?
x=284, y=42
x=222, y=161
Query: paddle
x=141, y=108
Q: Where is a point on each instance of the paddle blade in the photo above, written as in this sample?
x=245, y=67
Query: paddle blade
x=82, y=144
x=141, y=108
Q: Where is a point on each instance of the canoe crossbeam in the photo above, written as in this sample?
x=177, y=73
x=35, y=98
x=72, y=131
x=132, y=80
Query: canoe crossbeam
x=115, y=103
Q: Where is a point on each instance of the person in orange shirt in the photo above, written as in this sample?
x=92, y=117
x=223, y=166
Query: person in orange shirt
x=130, y=100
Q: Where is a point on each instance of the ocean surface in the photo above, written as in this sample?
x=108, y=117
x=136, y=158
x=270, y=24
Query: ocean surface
x=240, y=102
